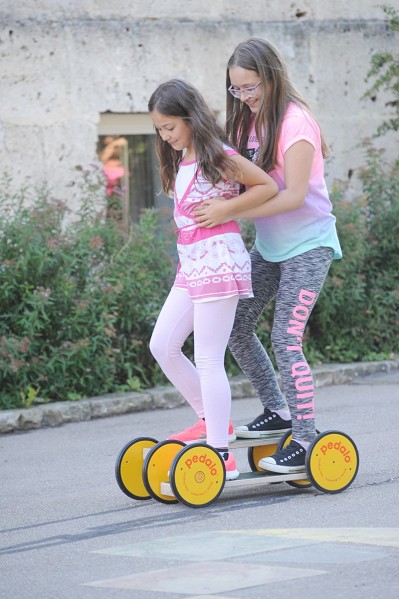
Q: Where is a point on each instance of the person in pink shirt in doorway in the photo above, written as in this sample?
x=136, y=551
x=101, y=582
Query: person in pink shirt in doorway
x=113, y=167
x=296, y=240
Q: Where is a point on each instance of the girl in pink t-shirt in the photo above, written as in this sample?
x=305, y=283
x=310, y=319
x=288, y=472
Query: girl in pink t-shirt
x=296, y=241
x=214, y=270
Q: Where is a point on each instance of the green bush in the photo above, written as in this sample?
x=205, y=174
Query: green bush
x=79, y=300
x=356, y=316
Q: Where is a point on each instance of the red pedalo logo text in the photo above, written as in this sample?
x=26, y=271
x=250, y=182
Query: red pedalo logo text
x=338, y=446
x=202, y=459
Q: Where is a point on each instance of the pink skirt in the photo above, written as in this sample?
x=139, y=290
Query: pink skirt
x=213, y=263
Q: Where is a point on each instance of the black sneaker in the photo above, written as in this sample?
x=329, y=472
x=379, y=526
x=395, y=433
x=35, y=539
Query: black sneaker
x=289, y=459
x=266, y=424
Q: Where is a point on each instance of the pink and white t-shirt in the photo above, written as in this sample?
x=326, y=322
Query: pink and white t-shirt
x=312, y=225
x=213, y=263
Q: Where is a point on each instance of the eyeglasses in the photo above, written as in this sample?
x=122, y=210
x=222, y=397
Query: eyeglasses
x=249, y=92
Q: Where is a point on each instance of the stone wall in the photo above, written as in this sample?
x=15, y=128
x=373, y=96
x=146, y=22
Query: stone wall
x=62, y=64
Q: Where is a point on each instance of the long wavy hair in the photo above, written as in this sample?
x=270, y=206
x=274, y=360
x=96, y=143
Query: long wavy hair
x=262, y=57
x=178, y=98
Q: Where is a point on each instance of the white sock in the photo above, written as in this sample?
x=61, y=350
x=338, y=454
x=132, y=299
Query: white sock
x=284, y=414
x=305, y=444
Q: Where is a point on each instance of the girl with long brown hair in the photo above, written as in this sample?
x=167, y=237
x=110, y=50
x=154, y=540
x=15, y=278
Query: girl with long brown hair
x=214, y=270
x=296, y=241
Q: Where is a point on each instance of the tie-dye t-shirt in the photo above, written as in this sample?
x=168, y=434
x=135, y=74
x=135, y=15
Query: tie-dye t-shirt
x=312, y=225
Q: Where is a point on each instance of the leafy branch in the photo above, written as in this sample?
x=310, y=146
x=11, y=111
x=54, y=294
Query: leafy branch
x=385, y=73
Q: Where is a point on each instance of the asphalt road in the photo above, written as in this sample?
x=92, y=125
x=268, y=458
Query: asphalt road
x=68, y=532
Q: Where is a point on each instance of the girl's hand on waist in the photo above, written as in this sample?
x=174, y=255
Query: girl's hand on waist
x=212, y=213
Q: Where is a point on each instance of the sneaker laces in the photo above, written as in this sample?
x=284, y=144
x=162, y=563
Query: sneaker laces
x=293, y=448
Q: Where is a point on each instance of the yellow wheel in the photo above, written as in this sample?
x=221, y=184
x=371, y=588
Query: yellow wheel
x=257, y=453
x=332, y=462
x=198, y=475
x=157, y=466
x=129, y=467
x=298, y=484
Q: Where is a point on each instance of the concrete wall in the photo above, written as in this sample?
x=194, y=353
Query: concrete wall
x=64, y=63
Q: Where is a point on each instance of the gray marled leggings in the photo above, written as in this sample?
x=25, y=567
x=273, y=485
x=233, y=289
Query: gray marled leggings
x=296, y=284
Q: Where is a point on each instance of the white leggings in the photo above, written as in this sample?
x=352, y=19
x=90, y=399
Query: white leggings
x=204, y=386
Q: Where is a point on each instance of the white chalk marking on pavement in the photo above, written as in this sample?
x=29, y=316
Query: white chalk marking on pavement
x=198, y=547
x=382, y=537
x=206, y=577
